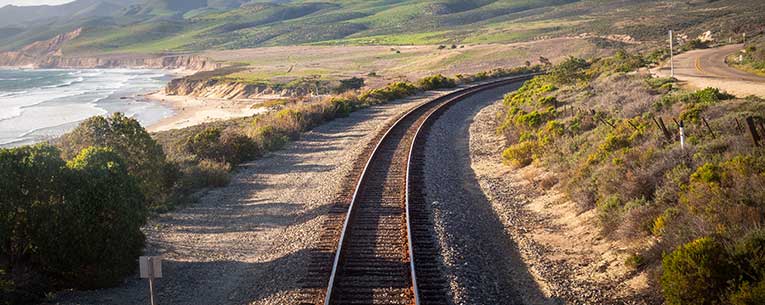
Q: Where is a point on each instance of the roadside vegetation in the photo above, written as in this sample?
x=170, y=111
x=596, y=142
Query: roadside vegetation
x=597, y=124
x=71, y=211
x=751, y=58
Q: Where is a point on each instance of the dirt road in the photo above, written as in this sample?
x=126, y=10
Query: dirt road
x=707, y=68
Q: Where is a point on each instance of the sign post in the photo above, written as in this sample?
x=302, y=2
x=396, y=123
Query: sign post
x=671, y=55
x=150, y=268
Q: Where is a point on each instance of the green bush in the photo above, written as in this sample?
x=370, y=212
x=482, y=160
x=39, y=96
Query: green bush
x=270, y=138
x=205, y=144
x=143, y=156
x=342, y=107
x=207, y=173
x=696, y=273
x=609, y=212
x=77, y=223
x=621, y=62
x=569, y=71
x=32, y=180
x=521, y=154
x=436, y=82
x=749, y=294
x=93, y=239
x=749, y=254
x=391, y=92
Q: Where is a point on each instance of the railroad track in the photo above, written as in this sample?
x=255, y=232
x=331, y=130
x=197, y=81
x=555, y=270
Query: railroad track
x=383, y=250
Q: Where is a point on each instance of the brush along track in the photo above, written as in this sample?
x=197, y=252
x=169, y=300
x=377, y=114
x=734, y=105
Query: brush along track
x=387, y=254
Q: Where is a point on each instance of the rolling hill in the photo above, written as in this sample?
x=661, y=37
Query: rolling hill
x=166, y=26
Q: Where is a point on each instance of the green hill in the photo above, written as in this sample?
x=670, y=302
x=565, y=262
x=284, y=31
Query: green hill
x=160, y=26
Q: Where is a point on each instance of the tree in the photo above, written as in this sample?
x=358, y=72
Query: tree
x=31, y=181
x=143, y=156
x=93, y=238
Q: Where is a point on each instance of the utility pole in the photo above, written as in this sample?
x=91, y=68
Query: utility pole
x=671, y=55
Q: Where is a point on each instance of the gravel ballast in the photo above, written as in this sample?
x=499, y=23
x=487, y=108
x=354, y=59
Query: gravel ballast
x=482, y=263
x=248, y=242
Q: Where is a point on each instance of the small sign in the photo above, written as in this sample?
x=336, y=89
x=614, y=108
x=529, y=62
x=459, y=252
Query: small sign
x=150, y=267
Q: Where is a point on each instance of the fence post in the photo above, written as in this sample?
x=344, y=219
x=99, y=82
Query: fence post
x=753, y=131
x=666, y=132
x=682, y=134
x=710, y=128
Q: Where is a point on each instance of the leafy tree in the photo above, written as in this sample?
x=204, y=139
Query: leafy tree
x=143, y=156
x=31, y=181
x=93, y=238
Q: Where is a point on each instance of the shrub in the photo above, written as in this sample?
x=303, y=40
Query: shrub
x=621, y=62
x=269, y=138
x=205, y=144
x=93, y=239
x=749, y=254
x=342, y=107
x=352, y=83
x=609, y=212
x=391, y=92
x=660, y=223
x=696, y=273
x=143, y=156
x=237, y=147
x=436, y=82
x=569, y=71
x=521, y=154
x=212, y=174
x=749, y=294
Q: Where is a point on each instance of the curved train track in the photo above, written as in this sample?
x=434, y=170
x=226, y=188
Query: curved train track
x=385, y=252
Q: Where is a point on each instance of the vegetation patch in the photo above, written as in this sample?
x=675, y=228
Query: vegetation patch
x=613, y=137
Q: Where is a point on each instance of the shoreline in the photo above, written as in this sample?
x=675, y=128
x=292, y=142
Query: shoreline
x=191, y=111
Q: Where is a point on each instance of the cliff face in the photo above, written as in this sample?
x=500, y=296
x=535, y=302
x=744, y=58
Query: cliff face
x=213, y=88
x=190, y=62
x=48, y=54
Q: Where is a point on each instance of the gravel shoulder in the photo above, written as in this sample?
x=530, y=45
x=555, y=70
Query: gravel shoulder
x=561, y=247
x=248, y=242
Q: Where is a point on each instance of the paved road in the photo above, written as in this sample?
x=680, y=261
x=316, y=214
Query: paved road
x=707, y=68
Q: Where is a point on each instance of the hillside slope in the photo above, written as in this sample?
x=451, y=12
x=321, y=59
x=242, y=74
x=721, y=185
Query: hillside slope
x=160, y=26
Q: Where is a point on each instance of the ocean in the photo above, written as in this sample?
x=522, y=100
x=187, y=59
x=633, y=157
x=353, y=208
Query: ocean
x=37, y=105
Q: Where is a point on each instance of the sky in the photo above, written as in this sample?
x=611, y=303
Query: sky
x=32, y=2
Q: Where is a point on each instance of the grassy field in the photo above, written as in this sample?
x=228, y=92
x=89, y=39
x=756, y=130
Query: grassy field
x=380, y=65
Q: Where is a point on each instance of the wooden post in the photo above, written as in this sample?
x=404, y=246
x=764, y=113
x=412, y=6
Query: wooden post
x=738, y=125
x=664, y=129
x=709, y=128
x=633, y=125
x=753, y=131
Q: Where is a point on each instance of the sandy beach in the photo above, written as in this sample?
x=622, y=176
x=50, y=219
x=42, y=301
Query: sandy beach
x=190, y=111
